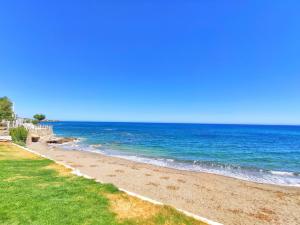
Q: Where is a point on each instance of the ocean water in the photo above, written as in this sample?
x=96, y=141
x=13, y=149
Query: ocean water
x=264, y=154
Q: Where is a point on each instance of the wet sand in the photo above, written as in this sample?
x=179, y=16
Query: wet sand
x=222, y=199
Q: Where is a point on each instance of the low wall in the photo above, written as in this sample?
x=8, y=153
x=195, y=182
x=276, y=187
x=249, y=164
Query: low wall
x=43, y=133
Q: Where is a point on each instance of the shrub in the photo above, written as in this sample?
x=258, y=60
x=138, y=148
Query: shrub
x=18, y=135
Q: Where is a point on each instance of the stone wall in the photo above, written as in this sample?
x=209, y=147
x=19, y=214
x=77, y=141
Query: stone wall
x=40, y=133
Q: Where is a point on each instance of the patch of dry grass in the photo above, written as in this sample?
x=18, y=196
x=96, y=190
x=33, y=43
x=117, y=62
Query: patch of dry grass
x=61, y=170
x=9, y=151
x=17, y=178
x=129, y=207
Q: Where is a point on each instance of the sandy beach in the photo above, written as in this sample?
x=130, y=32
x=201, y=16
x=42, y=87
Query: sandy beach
x=222, y=199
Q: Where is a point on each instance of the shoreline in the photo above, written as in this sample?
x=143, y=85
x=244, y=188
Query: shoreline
x=127, y=158
x=216, y=197
x=269, y=177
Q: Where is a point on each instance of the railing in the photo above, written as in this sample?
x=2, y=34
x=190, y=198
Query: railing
x=39, y=130
x=28, y=126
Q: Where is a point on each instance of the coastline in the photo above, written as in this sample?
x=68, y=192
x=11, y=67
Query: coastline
x=223, y=199
x=247, y=153
x=256, y=175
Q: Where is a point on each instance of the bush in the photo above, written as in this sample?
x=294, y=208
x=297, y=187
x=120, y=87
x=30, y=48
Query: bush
x=18, y=135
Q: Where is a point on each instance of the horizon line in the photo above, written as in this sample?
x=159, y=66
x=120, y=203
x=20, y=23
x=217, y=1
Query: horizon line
x=159, y=122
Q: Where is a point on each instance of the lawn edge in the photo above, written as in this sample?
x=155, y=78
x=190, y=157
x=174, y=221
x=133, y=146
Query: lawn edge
x=77, y=172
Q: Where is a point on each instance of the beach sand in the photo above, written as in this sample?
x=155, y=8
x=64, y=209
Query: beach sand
x=222, y=199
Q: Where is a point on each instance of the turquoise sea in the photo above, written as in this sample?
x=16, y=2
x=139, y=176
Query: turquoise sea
x=260, y=153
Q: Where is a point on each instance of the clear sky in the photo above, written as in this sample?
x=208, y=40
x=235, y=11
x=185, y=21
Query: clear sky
x=207, y=61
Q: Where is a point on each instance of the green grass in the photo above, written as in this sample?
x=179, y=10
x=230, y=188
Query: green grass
x=31, y=192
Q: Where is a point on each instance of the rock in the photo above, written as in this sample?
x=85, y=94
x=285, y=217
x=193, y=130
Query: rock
x=57, y=140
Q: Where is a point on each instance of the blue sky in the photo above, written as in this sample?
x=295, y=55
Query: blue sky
x=163, y=61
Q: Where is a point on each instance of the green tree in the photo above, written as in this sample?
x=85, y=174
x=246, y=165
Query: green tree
x=39, y=117
x=6, y=112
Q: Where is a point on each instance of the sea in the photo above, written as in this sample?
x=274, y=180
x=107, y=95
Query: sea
x=259, y=153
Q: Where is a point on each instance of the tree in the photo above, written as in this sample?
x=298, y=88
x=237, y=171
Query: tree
x=6, y=112
x=39, y=117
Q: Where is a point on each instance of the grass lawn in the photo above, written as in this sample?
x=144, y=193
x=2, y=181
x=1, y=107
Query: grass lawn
x=34, y=190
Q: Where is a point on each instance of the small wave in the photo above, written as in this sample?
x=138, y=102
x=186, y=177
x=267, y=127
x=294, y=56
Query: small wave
x=96, y=146
x=282, y=173
x=170, y=160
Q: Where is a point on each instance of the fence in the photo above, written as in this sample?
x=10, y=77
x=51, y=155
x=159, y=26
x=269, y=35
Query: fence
x=38, y=130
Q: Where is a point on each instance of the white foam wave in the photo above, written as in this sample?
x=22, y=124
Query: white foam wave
x=259, y=176
x=282, y=173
